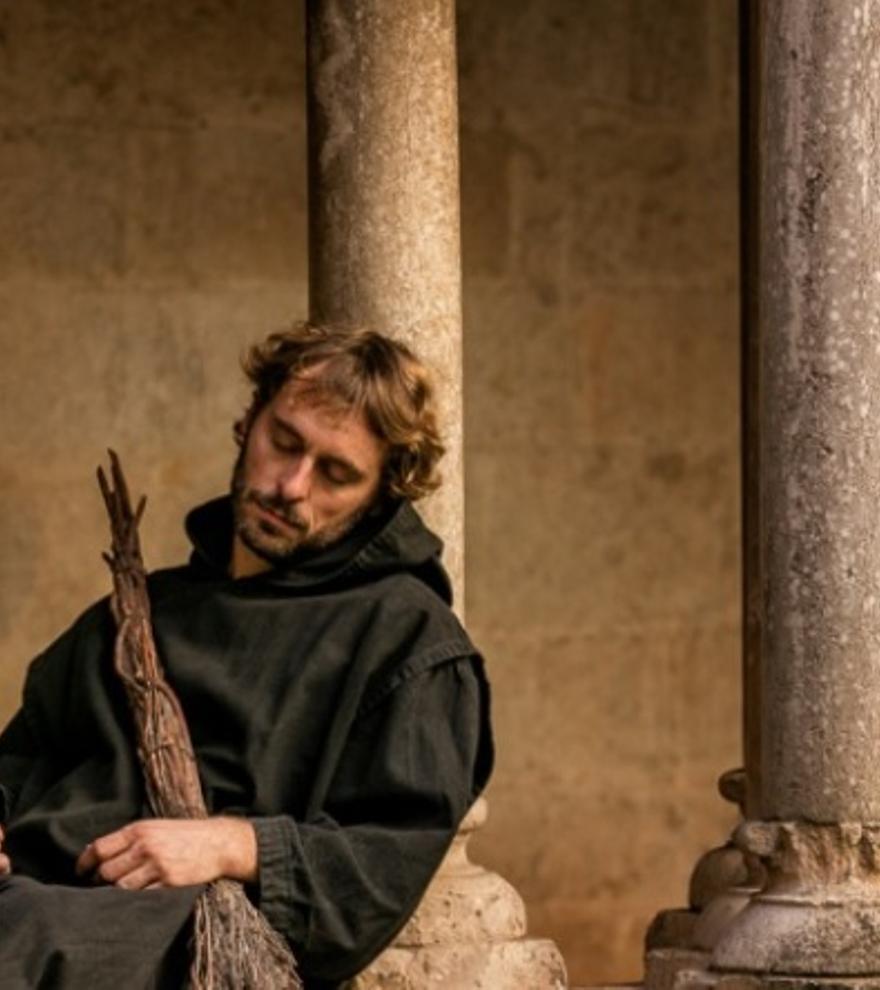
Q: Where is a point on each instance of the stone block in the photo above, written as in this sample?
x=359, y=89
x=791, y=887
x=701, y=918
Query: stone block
x=108, y=65
x=53, y=377
x=249, y=219
x=614, y=149
x=566, y=718
x=661, y=367
x=570, y=746
x=768, y=981
x=520, y=361
x=571, y=56
x=158, y=369
x=540, y=224
x=120, y=375
x=52, y=567
x=625, y=536
x=664, y=968
x=654, y=206
x=532, y=963
x=671, y=929
x=160, y=179
x=486, y=162
x=698, y=978
x=724, y=28
x=669, y=63
x=62, y=203
x=544, y=43
x=220, y=203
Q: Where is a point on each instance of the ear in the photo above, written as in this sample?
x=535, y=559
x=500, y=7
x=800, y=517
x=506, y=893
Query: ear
x=242, y=427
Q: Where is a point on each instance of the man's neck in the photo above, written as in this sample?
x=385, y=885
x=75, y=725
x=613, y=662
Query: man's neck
x=244, y=562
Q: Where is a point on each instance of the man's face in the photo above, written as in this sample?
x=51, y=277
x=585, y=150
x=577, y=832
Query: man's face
x=307, y=472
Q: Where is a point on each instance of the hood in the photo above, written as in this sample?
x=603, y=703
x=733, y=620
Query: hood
x=395, y=541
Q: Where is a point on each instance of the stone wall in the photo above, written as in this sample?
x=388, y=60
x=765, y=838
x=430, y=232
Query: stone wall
x=601, y=365
x=153, y=200
x=153, y=208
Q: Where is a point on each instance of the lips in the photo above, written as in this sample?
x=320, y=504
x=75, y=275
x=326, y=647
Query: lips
x=276, y=517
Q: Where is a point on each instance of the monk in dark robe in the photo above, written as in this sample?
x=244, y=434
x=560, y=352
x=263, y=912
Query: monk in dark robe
x=338, y=710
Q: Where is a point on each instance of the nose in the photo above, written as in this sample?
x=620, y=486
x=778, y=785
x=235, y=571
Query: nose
x=296, y=480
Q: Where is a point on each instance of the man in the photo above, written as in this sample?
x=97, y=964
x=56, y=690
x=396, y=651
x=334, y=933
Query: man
x=338, y=711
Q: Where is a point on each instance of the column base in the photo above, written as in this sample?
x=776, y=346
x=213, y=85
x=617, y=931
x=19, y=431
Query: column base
x=748, y=981
x=531, y=963
x=679, y=942
x=469, y=933
x=664, y=968
x=794, y=937
x=819, y=913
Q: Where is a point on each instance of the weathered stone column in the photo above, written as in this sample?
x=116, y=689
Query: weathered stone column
x=384, y=234
x=384, y=250
x=819, y=409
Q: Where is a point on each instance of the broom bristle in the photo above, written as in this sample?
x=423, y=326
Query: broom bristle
x=235, y=947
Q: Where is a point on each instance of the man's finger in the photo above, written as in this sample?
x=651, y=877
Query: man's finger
x=141, y=878
x=102, y=849
x=5, y=865
x=87, y=861
x=118, y=866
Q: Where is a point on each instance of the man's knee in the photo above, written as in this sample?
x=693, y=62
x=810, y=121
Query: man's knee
x=23, y=903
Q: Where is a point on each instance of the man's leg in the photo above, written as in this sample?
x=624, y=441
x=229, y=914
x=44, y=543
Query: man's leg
x=102, y=938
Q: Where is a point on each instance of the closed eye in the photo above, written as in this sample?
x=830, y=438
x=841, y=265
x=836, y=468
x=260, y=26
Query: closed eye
x=285, y=443
x=284, y=438
x=339, y=472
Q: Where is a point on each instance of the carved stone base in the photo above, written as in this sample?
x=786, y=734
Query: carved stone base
x=664, y=967
x=704, y=979
x=679, y=943
x=819, y=913
x=469, y=933
x=526, y=963
x=742, y=981
x=718, y=914
x=668, y=948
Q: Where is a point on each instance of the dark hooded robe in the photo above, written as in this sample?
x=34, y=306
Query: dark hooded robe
x=337, y=704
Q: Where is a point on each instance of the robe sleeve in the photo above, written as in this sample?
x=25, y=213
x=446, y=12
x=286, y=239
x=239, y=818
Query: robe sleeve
x=340, y=886
x=18, y=751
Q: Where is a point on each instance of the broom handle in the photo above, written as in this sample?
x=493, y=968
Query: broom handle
x=164, y=746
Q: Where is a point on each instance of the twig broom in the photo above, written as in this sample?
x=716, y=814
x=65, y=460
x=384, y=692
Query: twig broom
x=235, y=948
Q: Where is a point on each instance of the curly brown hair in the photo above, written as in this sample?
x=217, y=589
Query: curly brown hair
x=364, y=371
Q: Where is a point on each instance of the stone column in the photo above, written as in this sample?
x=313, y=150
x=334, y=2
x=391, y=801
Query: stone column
x=384, y=250
x=819, y=498
x=384, y=235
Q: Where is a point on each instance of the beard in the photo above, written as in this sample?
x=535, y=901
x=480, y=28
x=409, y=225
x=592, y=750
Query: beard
x=271, y=543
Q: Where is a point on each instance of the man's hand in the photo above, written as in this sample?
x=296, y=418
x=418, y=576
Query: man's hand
x=5, y=865
x=164, y=852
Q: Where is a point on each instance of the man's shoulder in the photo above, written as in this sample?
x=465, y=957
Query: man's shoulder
x=92, y=624
x=404, y=598
x=72, y=664
x=413, y=631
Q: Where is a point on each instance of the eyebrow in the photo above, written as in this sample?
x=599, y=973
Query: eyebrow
x=355, y=473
